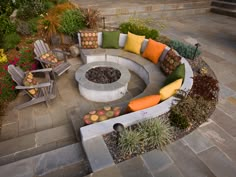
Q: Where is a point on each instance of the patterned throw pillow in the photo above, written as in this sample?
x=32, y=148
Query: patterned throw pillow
x=102, y=114
x=51, y=58
x=171, y=61
x=29, y=80
x=89, y=39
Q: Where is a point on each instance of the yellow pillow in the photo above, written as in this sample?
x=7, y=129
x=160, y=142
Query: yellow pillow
x=170, y=89
x=143, y=103
x=133, y=43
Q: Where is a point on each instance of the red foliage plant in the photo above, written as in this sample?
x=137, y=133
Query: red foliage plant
x=205, y=86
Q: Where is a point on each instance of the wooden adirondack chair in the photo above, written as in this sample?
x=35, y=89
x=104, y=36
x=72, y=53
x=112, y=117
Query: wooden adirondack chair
x=46, y=91
x=41, y=48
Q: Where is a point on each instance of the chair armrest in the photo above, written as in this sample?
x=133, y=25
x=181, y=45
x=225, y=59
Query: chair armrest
x=41, y=85
x=42, y=70
x=55, y=50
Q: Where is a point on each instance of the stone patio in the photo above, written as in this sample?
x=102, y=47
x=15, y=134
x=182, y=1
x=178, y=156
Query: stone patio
x=208, y=151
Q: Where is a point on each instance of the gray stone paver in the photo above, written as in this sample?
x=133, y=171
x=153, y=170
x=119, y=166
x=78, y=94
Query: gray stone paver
x=113, y=171
x=134, y=168
x=187, y=161
x=225, y=122
x=215, y=33
x=171, y=171
x=222, y=139
x=9, y=131
x=26, y=121
x=197, y=142
x=43, y=122
x=218, y=162
x=156, y=160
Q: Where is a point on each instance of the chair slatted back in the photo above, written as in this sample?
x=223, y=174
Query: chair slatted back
x=40, y=48
x=16, y=74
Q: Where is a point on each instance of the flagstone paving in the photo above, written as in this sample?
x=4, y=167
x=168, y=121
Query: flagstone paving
x=208, y=151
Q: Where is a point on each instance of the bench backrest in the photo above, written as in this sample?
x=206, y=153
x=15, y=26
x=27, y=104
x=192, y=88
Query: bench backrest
x=122, y=41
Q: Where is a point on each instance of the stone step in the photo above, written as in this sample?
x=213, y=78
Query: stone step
x=223, y=4
x=228, y=1
x=114, y=21
x=32, y=144
x=139, y=9
x=67, y=161
x=223, y=11
x=120, y=11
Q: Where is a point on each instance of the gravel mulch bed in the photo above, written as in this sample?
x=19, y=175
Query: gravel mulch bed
x=111, y=138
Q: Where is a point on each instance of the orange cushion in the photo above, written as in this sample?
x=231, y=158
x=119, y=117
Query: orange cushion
x=153, y=50
x=143, y=103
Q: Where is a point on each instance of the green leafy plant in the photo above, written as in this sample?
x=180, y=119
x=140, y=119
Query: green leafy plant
x=184, y=50
x=49, y=4
x=129, y=141
x=58, y=1
x=157, y=132
x=6, y=27
x=33, y=23
x=138, y=30
x=91, y=17
x=178, y=119
x=30, y=8
x=10, y=41
x=6, y=7
x=71, y=22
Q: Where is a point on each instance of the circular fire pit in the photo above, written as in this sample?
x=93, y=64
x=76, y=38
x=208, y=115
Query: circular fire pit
x=103, y=75
x=109, y=88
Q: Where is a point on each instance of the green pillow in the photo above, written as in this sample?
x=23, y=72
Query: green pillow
x=110, y=39
x=178, y=73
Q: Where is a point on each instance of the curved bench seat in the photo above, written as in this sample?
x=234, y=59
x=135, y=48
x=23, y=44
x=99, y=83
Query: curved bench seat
x=152, y=76
x=148, y=71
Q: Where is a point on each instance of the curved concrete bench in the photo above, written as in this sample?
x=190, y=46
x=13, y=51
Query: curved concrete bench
x=149, y=72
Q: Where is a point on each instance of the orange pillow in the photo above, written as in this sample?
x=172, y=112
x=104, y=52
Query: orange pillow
x=153, y=50
x=143, y=103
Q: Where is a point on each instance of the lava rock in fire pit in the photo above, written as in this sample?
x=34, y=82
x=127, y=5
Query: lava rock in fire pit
x=103, y=75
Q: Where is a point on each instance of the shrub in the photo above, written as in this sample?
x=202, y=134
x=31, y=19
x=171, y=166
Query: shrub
x=138, y=30
x=33, y=23
x=91, y=17
x=71, y=22
x=58, y=1
x=26, y=60
x=184, y=50
x=51, y=21
x=6, y=27
x=189, y=111
x=178, y=119
x=8, y=92
x=11, y=40
x=49, y=4
x=129, y=141
x=6, y=7
x=30, y=8
x=206, y=87
x=158, y=132
x=163, y=39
